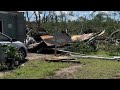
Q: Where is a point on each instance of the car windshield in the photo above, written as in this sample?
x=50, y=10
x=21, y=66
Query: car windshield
x=3, y=38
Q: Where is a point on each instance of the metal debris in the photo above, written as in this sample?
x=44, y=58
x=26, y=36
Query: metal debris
x=82, y=37
x=61, y=39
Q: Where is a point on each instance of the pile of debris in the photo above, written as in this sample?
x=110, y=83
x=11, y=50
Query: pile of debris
x=42, y=40
x=38, y=42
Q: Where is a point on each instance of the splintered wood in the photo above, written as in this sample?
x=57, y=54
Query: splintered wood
x=63, y=59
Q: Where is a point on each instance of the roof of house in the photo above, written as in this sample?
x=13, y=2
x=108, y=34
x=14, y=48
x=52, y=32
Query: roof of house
x=60, y=39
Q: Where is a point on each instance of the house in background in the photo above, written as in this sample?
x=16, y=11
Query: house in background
x=12, y=23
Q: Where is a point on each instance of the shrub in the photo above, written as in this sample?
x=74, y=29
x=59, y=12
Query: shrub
x=112, y=49
x=12, y=52
x=81, y=47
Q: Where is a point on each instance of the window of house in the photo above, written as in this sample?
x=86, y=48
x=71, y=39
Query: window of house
x=9, y=25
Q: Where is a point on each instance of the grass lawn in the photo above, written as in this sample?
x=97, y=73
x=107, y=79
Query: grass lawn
x=91, y=69
x=101, y=53
x=35, y=70
x=98, y=69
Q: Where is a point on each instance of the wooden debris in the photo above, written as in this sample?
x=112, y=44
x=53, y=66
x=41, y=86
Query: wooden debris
x=63, y=59
x=33, y=45
x=69, y=61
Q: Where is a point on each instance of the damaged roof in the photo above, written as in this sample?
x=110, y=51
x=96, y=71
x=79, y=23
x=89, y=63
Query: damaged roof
x=82, y=37
x=60, y=39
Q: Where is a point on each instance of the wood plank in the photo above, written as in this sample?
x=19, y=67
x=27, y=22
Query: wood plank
x=68, y=61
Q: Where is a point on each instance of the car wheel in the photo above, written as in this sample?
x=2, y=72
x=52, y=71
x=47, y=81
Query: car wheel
x=22, y=53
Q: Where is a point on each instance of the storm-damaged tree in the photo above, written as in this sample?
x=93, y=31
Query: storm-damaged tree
x=28, y=18
x=38, y=19
x=44, y=19
x=63, y=19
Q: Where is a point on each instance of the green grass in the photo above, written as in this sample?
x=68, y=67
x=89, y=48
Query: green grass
x=35, y=70
x=100, y=53
x=98, y=69
x=91, y=69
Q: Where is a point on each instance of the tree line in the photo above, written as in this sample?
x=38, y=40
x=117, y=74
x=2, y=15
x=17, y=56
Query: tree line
x=98, y=21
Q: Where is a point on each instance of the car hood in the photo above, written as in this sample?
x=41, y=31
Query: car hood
x=18, y=44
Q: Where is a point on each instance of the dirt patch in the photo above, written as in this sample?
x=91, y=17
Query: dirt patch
x=1, y=74
x=4, y=73
x=66, y=73
x=35, y=56
x=117, y=76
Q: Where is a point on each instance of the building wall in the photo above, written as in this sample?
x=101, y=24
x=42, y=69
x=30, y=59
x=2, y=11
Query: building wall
x=13, y=25
x=21, y=30
x=8, y=24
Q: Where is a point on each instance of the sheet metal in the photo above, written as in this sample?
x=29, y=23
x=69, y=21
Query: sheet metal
x=82, y=37
x=60, y=39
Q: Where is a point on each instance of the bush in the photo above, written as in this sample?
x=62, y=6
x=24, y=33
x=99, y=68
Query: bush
x=81, y=47
x=12, y=52
x=112, y=49
x=9, y=55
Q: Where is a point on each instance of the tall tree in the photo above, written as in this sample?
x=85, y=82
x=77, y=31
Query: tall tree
x=38, y=18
